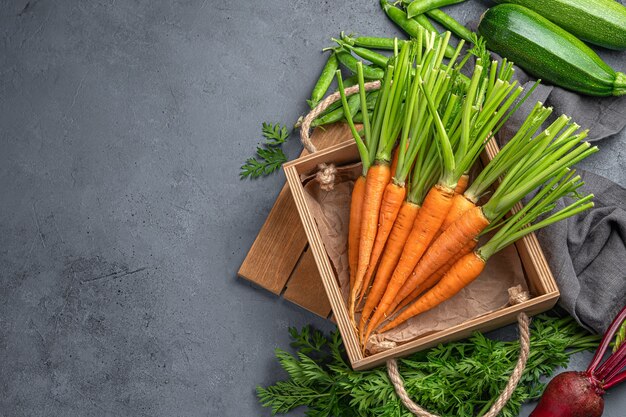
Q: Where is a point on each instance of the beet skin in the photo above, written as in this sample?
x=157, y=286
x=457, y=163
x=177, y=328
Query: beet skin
x=571, y=394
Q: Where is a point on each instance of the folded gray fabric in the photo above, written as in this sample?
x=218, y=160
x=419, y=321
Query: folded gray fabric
x=587, y=255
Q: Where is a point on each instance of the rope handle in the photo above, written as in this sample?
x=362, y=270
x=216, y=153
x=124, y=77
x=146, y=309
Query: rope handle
x=516, y=296
x=326, y=174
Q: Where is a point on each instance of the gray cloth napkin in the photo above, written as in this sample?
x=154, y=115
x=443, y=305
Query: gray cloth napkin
x=586, y=253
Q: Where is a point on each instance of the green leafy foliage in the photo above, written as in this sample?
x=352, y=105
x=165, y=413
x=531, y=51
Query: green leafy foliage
x=459, y=379
x=479, y=49
x=275, y=134
x=269, y=156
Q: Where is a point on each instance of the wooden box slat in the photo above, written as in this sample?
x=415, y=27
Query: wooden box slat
x=277, y=248
x=283, y=240
x=539, y=278
x=305, y=286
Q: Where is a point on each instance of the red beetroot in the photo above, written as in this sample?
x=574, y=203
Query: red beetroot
x=579, y=394
x=571, y=394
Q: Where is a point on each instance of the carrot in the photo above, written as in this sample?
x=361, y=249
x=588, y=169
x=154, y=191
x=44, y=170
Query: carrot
x=359, y=190
x=402, y=299
x=460, y=204
x=464, y=271
x=452, y=213
x=378, y=177
x=391, y=203
x=394, y=160
x=395, y=191
x=471, y=140
x=469, y=267
x=468, y=221
x=387, y=122
x=461, y=186
x=416, y=133
x=356, y=204
x=427, y=222
x=399, y=233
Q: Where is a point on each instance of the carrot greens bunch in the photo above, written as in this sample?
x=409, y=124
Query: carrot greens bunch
x=470, y=116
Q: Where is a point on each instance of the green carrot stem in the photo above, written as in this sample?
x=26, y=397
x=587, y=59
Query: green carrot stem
x=406, y=155
x=444, y=141
x=366, y=121
x=423, y=21
x=578, y=207
x=540, y=199
x=451, y=24
x=510, y=154
x=418, y=7
x=479, y=141
x=493, y=206
x=425, y=173
x=392, y=121
x=553, y=153
x=556, y=150
x=359, y=142
x=471, y=93
x=379, y=111
x=506, y=202
x=517, y=106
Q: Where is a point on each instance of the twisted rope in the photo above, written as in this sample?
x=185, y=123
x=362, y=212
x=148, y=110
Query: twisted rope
x=516, y=296
x=326, y=174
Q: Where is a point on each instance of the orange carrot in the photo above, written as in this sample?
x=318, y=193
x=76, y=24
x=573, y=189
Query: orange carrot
x=378, y=177
x=392, y=201
x=427, y=223
x=394, y=159
x=399, y=233
x=461, y=186
x=464, y=271
x=451, y=242
x=356, y=205
x=389, y=208
x=460, y=204
x=520, y=224
x=402, y=299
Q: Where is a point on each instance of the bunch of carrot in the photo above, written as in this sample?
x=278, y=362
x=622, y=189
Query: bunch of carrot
x=414, y=226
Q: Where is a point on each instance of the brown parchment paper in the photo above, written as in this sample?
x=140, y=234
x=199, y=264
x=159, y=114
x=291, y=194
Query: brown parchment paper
x=331, y=210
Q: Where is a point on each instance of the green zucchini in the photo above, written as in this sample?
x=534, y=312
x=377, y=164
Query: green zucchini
x=548, y=52
x=600, y=22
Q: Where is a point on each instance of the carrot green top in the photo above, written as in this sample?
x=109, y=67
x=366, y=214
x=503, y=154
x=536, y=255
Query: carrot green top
x=554, y=149
x=564, y=183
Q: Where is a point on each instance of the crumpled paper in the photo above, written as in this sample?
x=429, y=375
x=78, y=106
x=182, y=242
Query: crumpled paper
x=489, y=292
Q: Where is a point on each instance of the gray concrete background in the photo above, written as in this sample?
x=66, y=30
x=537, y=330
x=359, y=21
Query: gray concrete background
x=123, y=219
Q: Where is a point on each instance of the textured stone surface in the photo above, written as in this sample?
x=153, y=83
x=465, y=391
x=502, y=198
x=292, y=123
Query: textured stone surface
x=124, y=222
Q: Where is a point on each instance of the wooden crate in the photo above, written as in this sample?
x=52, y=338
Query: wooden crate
x=539, y=278
x=292, y=272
